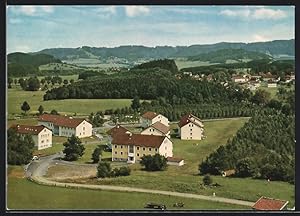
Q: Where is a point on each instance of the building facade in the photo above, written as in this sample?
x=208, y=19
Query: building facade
x=66, y=126
x=41, y=135
x=132, y=147
x=190, y=128
x=149, y=118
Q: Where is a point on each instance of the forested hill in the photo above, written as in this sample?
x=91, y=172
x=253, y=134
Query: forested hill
x=132, y=53
x=221, y=56
x=166, y=64
x=263, y=148
x=35, y=60
x=22, y=64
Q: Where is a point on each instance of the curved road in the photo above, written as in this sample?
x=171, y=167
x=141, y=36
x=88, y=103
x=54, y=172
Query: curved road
x=37, y=169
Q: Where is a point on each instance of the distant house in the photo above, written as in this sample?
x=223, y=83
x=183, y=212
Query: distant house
x=131, y=147
x=41, y=135
x=66, y=126
x=175, y=161
x=149, y=118
x=239, y=79
x=228, y=172
x=265, y=203
x=190, y=128
x=268, y=76
x=157, y=129
x=272, y=84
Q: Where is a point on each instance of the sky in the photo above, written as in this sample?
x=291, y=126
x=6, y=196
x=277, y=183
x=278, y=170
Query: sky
x=33, y=28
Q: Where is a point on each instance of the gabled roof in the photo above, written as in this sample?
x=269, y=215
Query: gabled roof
x=61, y=120
x=138, y=140
x=150, y=115
x=161, y=127
x=187, y=119
x=117, y=129
x=29, y=129
x=265, y=203
x=174, y=159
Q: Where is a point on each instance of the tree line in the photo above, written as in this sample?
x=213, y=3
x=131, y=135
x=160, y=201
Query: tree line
x=263, y=148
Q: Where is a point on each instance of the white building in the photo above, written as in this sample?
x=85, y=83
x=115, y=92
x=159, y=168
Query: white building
x=132, y=147
x=66, y=126
x=190, y=128
x=149, y=118
x=157, y=129
x=41, y=135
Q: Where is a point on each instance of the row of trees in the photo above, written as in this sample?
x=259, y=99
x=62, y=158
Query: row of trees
x=34, y=84
x=26, y=107
x=263, y=148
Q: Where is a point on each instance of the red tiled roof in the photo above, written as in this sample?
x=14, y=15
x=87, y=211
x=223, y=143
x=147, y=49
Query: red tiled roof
x=187, y=119
x=29, y=129
x=61, y=120
x=150, y=115
x=117, y=129
x=265, y=203
x=161, y=127
x=138, y=140
x=174, y=159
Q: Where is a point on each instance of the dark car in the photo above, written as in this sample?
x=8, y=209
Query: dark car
x=155, y=206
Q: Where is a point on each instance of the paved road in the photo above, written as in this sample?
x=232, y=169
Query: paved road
x=37, y=169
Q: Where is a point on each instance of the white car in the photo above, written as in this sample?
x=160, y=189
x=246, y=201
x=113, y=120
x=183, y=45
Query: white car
x=35, y=158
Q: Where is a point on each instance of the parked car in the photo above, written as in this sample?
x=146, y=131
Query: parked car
x=35, y=157
x=155, y=206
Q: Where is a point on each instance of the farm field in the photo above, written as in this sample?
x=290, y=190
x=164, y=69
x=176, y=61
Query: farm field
x=23, y=194
x=17, y=96
x=182, y=63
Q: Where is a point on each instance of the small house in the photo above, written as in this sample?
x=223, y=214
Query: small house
x=175, y=161
x=270, y=204
x=149, y=118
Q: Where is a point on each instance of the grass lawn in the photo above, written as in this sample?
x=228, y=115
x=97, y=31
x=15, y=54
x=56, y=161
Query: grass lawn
x=182, y=63
x=16, y=97
x=23, y=194
x=26, y=121
x=89, y=149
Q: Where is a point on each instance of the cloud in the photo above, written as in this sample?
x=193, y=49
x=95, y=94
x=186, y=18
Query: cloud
x=32, y=10
x=133, y=11
x=264, y=13
x=258, y=13
x=260, y=38
x=235, y=13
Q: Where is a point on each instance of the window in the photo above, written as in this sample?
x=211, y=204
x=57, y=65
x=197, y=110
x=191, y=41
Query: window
x=115, y=152
x=143, y=154
x=121, y=153
x=138, y=155
x=42, y=141
x=143, y=149
x=191, y=129
x=191, y=138
x=156, y=149
x=131, y=149
x=121, y=146
x=116, y=146
x=83, y=128
x=166, y=148
x=138, y=148
x=192, y=125
x=83, y=133
x=79, y=133
x=149, y=149
x=191, y=134
x=47, y=140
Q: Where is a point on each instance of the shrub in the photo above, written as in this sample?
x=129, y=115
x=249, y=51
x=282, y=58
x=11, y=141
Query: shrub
x=104, y=170
x=207, y=180
x=156, y=162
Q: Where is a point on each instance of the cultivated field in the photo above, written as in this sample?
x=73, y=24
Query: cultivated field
x=182, y=63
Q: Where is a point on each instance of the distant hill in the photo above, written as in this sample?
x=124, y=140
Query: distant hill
x=223, y=55
x=135, y=53
x=30, y=59
x=22, y=64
